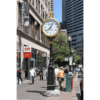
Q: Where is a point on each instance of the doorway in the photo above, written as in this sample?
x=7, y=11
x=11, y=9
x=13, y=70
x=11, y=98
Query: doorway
x=26, y=67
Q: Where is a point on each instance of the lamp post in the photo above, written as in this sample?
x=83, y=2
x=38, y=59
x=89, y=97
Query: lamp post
x=69, y=40
x=73, y=59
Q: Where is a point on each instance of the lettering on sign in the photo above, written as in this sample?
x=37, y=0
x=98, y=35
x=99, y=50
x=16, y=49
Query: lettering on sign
x=27, y=54
x=27, y=49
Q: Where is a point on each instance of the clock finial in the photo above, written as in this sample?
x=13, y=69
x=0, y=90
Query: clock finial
x=51, y=14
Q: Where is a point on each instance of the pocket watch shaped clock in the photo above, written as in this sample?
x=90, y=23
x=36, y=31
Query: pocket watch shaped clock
x=51, y=27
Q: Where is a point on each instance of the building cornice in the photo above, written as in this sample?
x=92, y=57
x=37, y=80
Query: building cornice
x=19, y=32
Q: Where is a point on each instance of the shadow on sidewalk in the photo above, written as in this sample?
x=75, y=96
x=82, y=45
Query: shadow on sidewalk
x=35, y=92
x=30, y=83
x=43, y=87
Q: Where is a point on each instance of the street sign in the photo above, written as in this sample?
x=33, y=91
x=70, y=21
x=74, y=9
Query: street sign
x=73, y=63
x=80, y=66
x=70, y=60
x=66, y=58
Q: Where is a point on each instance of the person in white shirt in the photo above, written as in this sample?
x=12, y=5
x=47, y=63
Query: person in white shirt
x=32, y=74
x=56, y=81
x=45, y=74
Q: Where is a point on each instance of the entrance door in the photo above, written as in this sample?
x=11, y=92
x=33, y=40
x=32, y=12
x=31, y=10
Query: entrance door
x=26, y=67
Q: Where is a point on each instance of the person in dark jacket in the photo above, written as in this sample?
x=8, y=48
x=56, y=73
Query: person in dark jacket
x=66, y=71
x=41, y=74
x=19, y=75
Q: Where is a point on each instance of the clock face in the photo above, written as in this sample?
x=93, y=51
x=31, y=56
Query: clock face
x=50, y=27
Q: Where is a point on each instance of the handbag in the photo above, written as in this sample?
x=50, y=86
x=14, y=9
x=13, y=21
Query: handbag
x=59, y=78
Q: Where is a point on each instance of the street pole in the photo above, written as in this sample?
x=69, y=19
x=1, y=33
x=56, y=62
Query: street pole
x=51, y=81
x=69, y=54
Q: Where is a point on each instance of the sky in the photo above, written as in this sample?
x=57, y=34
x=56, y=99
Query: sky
x=58, y=10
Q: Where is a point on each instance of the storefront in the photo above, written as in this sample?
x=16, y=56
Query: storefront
x=18, y=55
x=38, y=59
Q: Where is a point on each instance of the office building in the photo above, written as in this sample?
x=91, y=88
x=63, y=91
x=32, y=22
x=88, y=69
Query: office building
x=72, y=16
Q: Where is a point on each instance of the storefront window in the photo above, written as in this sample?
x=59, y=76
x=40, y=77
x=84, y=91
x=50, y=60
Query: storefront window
x=44, y=55
x=33, y=60
x=39, y=61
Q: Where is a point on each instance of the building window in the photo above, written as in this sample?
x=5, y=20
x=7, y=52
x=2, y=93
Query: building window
x=36, y=4
x=81, y=34
x=73, y=40
x=43, y=15
x=74, y=44
x=74, y=35
x=33, y=2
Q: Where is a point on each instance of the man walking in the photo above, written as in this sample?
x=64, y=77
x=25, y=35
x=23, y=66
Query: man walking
x=60, y=75
x=32, y=74
x=41, y=74
x=45, y=74
x=56, y=71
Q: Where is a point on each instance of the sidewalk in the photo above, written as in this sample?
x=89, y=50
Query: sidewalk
x=26, y=91
x=67, y=95
x=28, y=80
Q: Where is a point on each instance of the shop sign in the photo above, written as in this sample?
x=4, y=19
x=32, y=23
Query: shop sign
x=27, y=49
x=18, y=54
x=24, y=17
x=27, y=54
x=32, y=59
x=43, y=54
x=39, y=52
x=48, y=55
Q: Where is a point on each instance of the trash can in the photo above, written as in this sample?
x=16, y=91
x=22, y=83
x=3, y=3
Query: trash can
x=68, y=83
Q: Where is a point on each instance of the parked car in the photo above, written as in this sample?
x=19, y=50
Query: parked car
x=81, y=89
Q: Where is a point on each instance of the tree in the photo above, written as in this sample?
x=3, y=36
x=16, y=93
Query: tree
x=77, y=57
x=61, y=49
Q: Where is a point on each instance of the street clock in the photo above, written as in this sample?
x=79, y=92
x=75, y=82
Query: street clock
x=51, y=27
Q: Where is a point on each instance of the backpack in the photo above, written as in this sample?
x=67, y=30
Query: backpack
x=18, y=73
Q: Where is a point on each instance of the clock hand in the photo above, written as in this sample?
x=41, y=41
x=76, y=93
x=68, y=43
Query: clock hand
x=49, y=27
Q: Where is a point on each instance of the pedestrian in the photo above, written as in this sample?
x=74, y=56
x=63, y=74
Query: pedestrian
x=66, y=71
x=19, y=72
x=38, y=73
x=41, y=74
x=32, y=74
x=56, y=71
x=45, y=74
x=60, y=76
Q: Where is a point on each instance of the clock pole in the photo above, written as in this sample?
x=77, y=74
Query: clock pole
x=51, y=68
x=51, y=78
